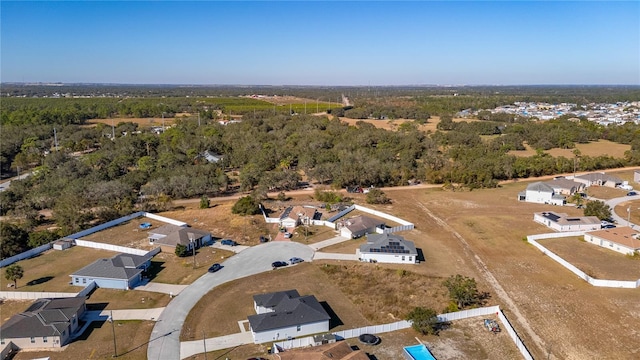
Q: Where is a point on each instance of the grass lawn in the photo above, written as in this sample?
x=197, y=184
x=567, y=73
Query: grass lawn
x=132, y=338
x=595, y=148
x=171, y=269
x=50, y=270
x=8, y=308
x=225, y=305
x=112, y=299
x=594, y=260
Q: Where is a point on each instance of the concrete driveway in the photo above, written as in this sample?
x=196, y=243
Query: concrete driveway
x=164, y=342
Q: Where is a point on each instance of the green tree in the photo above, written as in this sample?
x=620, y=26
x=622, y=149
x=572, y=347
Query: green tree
x=246, y=205
x=14, y=273
x=204, y=202
x=13, y=239
x=463, y=290
x=597, y=208
x=377, y=196
x=181, y=250
x=423, y=320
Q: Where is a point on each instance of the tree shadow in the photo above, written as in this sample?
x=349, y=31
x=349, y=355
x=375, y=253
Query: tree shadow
x=41, y=280
x=483, y=298
x=154, y=269
x=335, y=319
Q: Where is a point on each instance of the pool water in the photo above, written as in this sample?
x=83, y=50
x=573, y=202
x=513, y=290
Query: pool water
x=419, y=352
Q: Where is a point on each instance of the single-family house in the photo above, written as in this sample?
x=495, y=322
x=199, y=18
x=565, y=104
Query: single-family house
x=47, y=323
x=388, y=248
x=564, y=222
x=123, y=271
x=599, y=179
x=624, y=240
x=333, y=351
x=541, y=193
x=285, y=314
x=564, y=186
x=211, y=156
x=358, y=226
x=169, y=235
x=636, y=176
x=298, y=215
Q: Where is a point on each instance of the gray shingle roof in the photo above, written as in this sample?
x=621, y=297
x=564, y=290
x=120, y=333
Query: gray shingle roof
x=361, y=222
x=290, y=311
x=120, y=266
x=45, y=317
x=598, y=176
x=539, y=186
x=174, y=235
x=272, y=299
x=388, y=244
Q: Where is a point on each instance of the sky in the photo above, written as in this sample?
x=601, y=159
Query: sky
x=324, y=43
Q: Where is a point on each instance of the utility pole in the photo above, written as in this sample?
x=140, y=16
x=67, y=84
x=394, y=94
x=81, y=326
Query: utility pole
x=55, y=139
x=113, y=330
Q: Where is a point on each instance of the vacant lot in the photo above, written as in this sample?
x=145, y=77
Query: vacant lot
x=225, y=305
x=50, y=270
x=112, y=299
x=132, y=338
x=539, y=294
x=594, y=260
x=127, y=234
x=430, y=126
x=596, y=148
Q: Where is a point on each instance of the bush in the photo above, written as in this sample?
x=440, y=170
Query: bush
x=329, y=197
x=377, y=196
x=424, y=320
x=246, y=205
x=204, y=202
x=181, y=250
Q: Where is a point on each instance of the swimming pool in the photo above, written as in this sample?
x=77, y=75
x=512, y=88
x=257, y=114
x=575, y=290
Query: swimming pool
x=418, y=352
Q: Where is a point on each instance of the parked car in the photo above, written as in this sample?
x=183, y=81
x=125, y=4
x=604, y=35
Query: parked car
x=287, y=235
x=215, y=267
x=263, y=239
x=295, y=260
x=632, y=193
x=228, y=242
x=277, y=264
x=608, y=226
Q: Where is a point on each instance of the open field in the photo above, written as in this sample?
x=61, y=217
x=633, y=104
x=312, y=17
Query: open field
x=127, y=234
x=605, y=192
x=50, y=270
x=633, y=214
x=596, y=148
x=430, y=126
x=132, y=338
x=538, y=295
x=225, y=305
x=142, y=122
x=594, y=260
x=112, y=299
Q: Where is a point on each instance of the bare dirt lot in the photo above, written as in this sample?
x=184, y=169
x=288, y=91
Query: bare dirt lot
x=596, y=148
x=538, y=295
x=594, y=260
x=430, y=126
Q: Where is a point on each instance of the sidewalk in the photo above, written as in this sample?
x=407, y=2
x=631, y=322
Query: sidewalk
x=328, y=242
x=161, y=288
x=335, y=256
x=190, y=348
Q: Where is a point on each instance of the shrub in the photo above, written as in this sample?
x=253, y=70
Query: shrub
x=246, y=205
x=377, y=196
x=204, y=202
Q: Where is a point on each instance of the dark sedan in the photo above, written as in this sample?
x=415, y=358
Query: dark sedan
x=277, y=264
x=215, y=267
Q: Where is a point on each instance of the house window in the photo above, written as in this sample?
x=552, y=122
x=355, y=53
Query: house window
x=298, y=327
x=84, y=280
x=1, y=341
x=402, y=257
x=33, y=340
x=44, y=339
x=77, y=280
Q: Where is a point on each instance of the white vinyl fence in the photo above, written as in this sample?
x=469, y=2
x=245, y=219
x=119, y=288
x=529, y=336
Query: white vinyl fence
x=385, y=216
x=32, y=295
x=581, y=274
x=116, y=248
x=378, y=329
x=87, y=289
x=25, y=255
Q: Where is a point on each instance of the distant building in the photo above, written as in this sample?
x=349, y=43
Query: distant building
x=541, y=193
x=47, y=323
x=332, y=351
x=624, y=240
x=564, y=186
x=298, y=215
x=388, y=248
x=285, y=314
x=598, y=179
x=564, y=222
x=169, y=235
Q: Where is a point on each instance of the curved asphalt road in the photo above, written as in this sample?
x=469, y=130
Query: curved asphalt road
x=617, y=201
x=164, y=343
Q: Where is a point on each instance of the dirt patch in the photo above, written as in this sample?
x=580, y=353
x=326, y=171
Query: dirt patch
x=430, y=126
x=595, y=148
x=594, y=260
x=112, y=299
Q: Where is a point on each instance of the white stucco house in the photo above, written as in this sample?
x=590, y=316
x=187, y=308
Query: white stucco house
x=636, y=176
x=358, y=226
x=624, y=240
x=388, y=248
x=541, y=193
x=285, y=314
x=122, y=272
x=564, y=222
x=298, y=215
x=599, y=179
x=564, y=186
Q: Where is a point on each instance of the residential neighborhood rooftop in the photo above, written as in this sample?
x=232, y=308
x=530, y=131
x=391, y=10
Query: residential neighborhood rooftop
x=121, y=266
x=45, y=317
x=624, y=235
x=564, y=219
x=388, y=243
x=289, y=311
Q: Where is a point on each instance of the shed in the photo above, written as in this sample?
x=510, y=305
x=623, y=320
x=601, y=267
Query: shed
x=63, y=244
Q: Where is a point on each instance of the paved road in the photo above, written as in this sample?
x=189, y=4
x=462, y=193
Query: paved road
x=164, y=342
x=5, y=185
x=617, y=201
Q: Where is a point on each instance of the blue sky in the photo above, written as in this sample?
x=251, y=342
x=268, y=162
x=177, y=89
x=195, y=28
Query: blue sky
x=321, y=43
